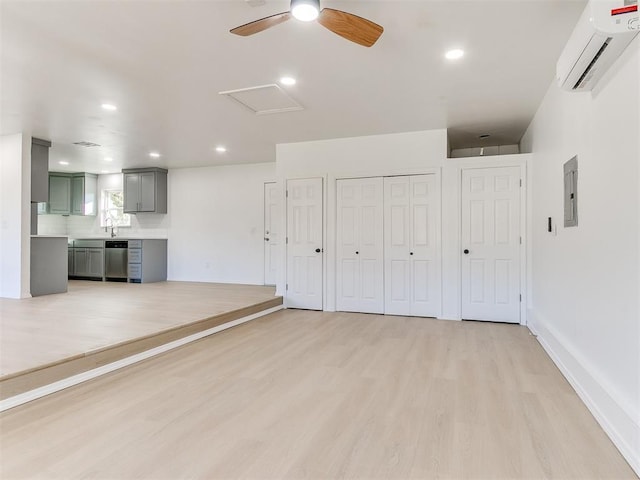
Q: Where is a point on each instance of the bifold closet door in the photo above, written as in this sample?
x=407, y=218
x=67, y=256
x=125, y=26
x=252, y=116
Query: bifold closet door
x=360, y=279
x=412, y=273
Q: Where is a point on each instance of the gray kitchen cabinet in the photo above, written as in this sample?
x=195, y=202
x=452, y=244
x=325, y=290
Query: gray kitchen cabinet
x=70, y=261
x=147, y=260
x=88, y=259
x=48, y=272
x=71, y=194
x=39, y=170
x=59, y=193
x=145, y=190
x=88, y=262
x=84, y=187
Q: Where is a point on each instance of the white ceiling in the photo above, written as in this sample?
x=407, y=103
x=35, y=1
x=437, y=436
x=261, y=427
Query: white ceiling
x=164, y=62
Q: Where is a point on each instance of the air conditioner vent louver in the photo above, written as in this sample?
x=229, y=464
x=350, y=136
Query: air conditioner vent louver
x=588, y=73
x=86, y=144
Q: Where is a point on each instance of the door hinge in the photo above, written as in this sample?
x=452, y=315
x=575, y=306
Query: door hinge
x=287, y=287
x=286, y=240
x=520, y=182
x=520, y=240
x=286, y=193
x=521, y=297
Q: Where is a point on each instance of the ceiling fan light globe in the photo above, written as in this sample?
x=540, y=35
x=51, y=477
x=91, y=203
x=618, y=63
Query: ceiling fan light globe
x=305, y=10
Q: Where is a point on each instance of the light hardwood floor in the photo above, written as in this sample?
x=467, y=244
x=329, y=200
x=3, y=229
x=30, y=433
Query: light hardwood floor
x=321, y=395
x=94, y=315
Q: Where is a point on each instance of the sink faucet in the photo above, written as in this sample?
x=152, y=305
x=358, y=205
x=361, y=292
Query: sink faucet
x=106, y=228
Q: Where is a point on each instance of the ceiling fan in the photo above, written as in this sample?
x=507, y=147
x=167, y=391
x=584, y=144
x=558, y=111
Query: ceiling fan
x=347, y=25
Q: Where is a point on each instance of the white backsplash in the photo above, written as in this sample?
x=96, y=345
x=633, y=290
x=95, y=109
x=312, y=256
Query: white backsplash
x=76, y=226
x=142, y=226
x=52, y=225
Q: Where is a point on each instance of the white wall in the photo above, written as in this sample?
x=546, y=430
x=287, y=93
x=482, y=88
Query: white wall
x=585, y=281
x=15, y=214
x=382, y=155
x=215, y=223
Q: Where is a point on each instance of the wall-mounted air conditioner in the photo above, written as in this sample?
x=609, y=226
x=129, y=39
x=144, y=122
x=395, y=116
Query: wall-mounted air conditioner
x=604, y=30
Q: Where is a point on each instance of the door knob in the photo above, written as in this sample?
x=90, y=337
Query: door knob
x=410, y=253
x=466, y=251
x=357, y=253
x=266, y=239
x=318, y=250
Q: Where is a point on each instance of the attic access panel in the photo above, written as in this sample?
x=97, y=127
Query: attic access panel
x=264, y=99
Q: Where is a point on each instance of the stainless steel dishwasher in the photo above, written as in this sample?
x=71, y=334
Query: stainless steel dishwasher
x=116, y=260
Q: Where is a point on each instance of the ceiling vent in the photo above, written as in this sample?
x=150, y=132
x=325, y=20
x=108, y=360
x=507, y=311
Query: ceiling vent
x=264, y=100
x=86, y=144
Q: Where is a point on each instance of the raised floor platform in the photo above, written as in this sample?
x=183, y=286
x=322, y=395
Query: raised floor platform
x=49, y=338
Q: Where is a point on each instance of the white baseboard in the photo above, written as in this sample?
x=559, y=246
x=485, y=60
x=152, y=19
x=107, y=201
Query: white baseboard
x=619, y=421
x=39, y=392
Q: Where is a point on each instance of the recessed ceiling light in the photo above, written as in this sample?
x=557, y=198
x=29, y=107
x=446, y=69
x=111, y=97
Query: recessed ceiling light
x=305, y=10
x=108, y=159
x=109, y=106
x=62, y=162
x=454, y=54
x=221, y=149
x=288, y=81
x=154, y=154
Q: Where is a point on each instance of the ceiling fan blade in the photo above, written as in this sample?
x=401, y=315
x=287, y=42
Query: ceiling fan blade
x=350, y=26
x=262, y=24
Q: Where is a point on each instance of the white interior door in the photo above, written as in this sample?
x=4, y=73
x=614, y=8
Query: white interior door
x=412, y=272
x=491, y=244
x=271, y=234
x=304, y=244
x=359, y=268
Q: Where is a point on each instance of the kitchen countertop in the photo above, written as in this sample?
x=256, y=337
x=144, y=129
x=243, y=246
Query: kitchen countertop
x=116, y=238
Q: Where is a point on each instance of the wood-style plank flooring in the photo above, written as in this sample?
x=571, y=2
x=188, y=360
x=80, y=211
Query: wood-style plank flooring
x=321, y=395
x=93, y=315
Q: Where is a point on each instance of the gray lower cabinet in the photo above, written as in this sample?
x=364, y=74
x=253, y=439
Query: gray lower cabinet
x=48, y=274
x=71, y=263
x=88, y=262
x=86, y=259
x=147, y=260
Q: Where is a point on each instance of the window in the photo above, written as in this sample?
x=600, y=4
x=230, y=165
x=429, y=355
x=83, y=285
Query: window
x=111, y=214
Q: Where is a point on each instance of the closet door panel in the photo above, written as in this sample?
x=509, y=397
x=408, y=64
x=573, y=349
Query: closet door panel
x=397, y=257
x=424, y=246
x=360, y=242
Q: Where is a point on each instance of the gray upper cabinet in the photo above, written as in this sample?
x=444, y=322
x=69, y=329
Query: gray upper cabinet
x=145, y=190
x=84, y=199
x=73, y=193
x=59, y=193
x=39, y=170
